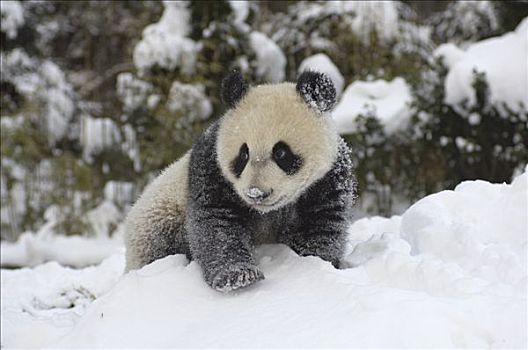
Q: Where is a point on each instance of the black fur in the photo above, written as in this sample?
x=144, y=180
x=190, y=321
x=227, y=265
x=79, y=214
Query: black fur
x=324, y=212
x=289, y=162
x=221, y=228
x=233, y=89
x=317, y=90
x=217, y=223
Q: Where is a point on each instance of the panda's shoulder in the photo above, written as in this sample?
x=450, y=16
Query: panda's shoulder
x=343, y=170
x=343, y=162
x=203, y=162
x=341, y=176
x=205, y=146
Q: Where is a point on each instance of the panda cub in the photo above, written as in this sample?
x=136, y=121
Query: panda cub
x=272, y=170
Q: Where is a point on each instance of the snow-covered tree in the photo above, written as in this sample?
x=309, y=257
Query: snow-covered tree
x=59, y=123
x=98, y=96
x=364, y=39
x=465, y=21
x=173, y=93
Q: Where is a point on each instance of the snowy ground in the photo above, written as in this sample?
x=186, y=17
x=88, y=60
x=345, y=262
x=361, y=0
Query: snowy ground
x=450, y=272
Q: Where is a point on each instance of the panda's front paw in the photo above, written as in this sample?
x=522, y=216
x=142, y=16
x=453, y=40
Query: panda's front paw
x=236, y=276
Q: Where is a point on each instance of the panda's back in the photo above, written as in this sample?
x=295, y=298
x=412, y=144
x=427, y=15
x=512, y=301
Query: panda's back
x=160, y=210
x=170, y=188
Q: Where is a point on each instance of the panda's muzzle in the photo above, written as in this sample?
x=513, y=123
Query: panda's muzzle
x=256, y=195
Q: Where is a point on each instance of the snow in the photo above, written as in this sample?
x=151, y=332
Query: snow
x=255, y=192
x=58, y=94
x=131, y=146
x=132, y=92
x=12, y=15
x=450, y=272
x=453, y=226
x=241, y=11
x=387, y=100
x=103, y=219
x=76, y=251
x=120, y=192
x=271, y=61
x=308, y=25
x=49, y=299
x=322, y=63
x=381, y=16
x=474, y=119
x=164, y=43
x=504, y=61
x=98, y=134
x=317, y=90
x=16, y=67
x=28, y=191
x=44, y=83
x=13, y=201
x=464, y=21
x=190, y=100
x=34, y=248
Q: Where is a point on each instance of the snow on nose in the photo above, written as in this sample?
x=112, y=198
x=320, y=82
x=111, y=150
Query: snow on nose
x=256, y=193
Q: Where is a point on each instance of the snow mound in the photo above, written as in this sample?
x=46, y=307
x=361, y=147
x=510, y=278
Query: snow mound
x=45, y=302
x=164, y=43
x=271, y=61
x=387, y=100
x=322, y=63
x=450, y=272
x=465, y=227
x=32, y=249
x=75, y=251
x=504, y=61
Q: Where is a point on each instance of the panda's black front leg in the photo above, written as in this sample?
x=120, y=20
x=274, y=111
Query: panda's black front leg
x=323, y=214
x=319, y=234
x=222, y=246
x=216, y=223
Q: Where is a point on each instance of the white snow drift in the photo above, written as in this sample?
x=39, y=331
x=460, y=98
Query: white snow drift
x=450, y=272
x=32, y=249
x=388, y=101
x=503, y=59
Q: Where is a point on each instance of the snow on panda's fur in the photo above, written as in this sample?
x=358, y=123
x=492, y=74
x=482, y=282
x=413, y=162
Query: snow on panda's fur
x=272, y=170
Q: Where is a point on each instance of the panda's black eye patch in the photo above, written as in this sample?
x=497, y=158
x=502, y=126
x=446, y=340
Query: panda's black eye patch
x=288, y=161
x=239, y=163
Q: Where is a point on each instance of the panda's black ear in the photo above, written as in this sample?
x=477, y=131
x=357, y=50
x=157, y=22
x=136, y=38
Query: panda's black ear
x=317, y=90
x=233, y=88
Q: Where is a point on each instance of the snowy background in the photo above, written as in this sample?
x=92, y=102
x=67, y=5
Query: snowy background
x=98, y=97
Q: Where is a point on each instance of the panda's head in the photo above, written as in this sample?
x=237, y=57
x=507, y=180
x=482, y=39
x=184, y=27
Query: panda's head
x=276, y=140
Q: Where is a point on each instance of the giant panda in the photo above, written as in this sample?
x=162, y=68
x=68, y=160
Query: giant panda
x=272, y=170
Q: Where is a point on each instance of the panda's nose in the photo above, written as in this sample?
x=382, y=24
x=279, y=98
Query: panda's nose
x=257, y=194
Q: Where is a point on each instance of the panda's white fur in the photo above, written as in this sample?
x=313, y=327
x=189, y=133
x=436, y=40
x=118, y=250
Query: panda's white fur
x=197, y=205
x=267, y=114
x=163, y=203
